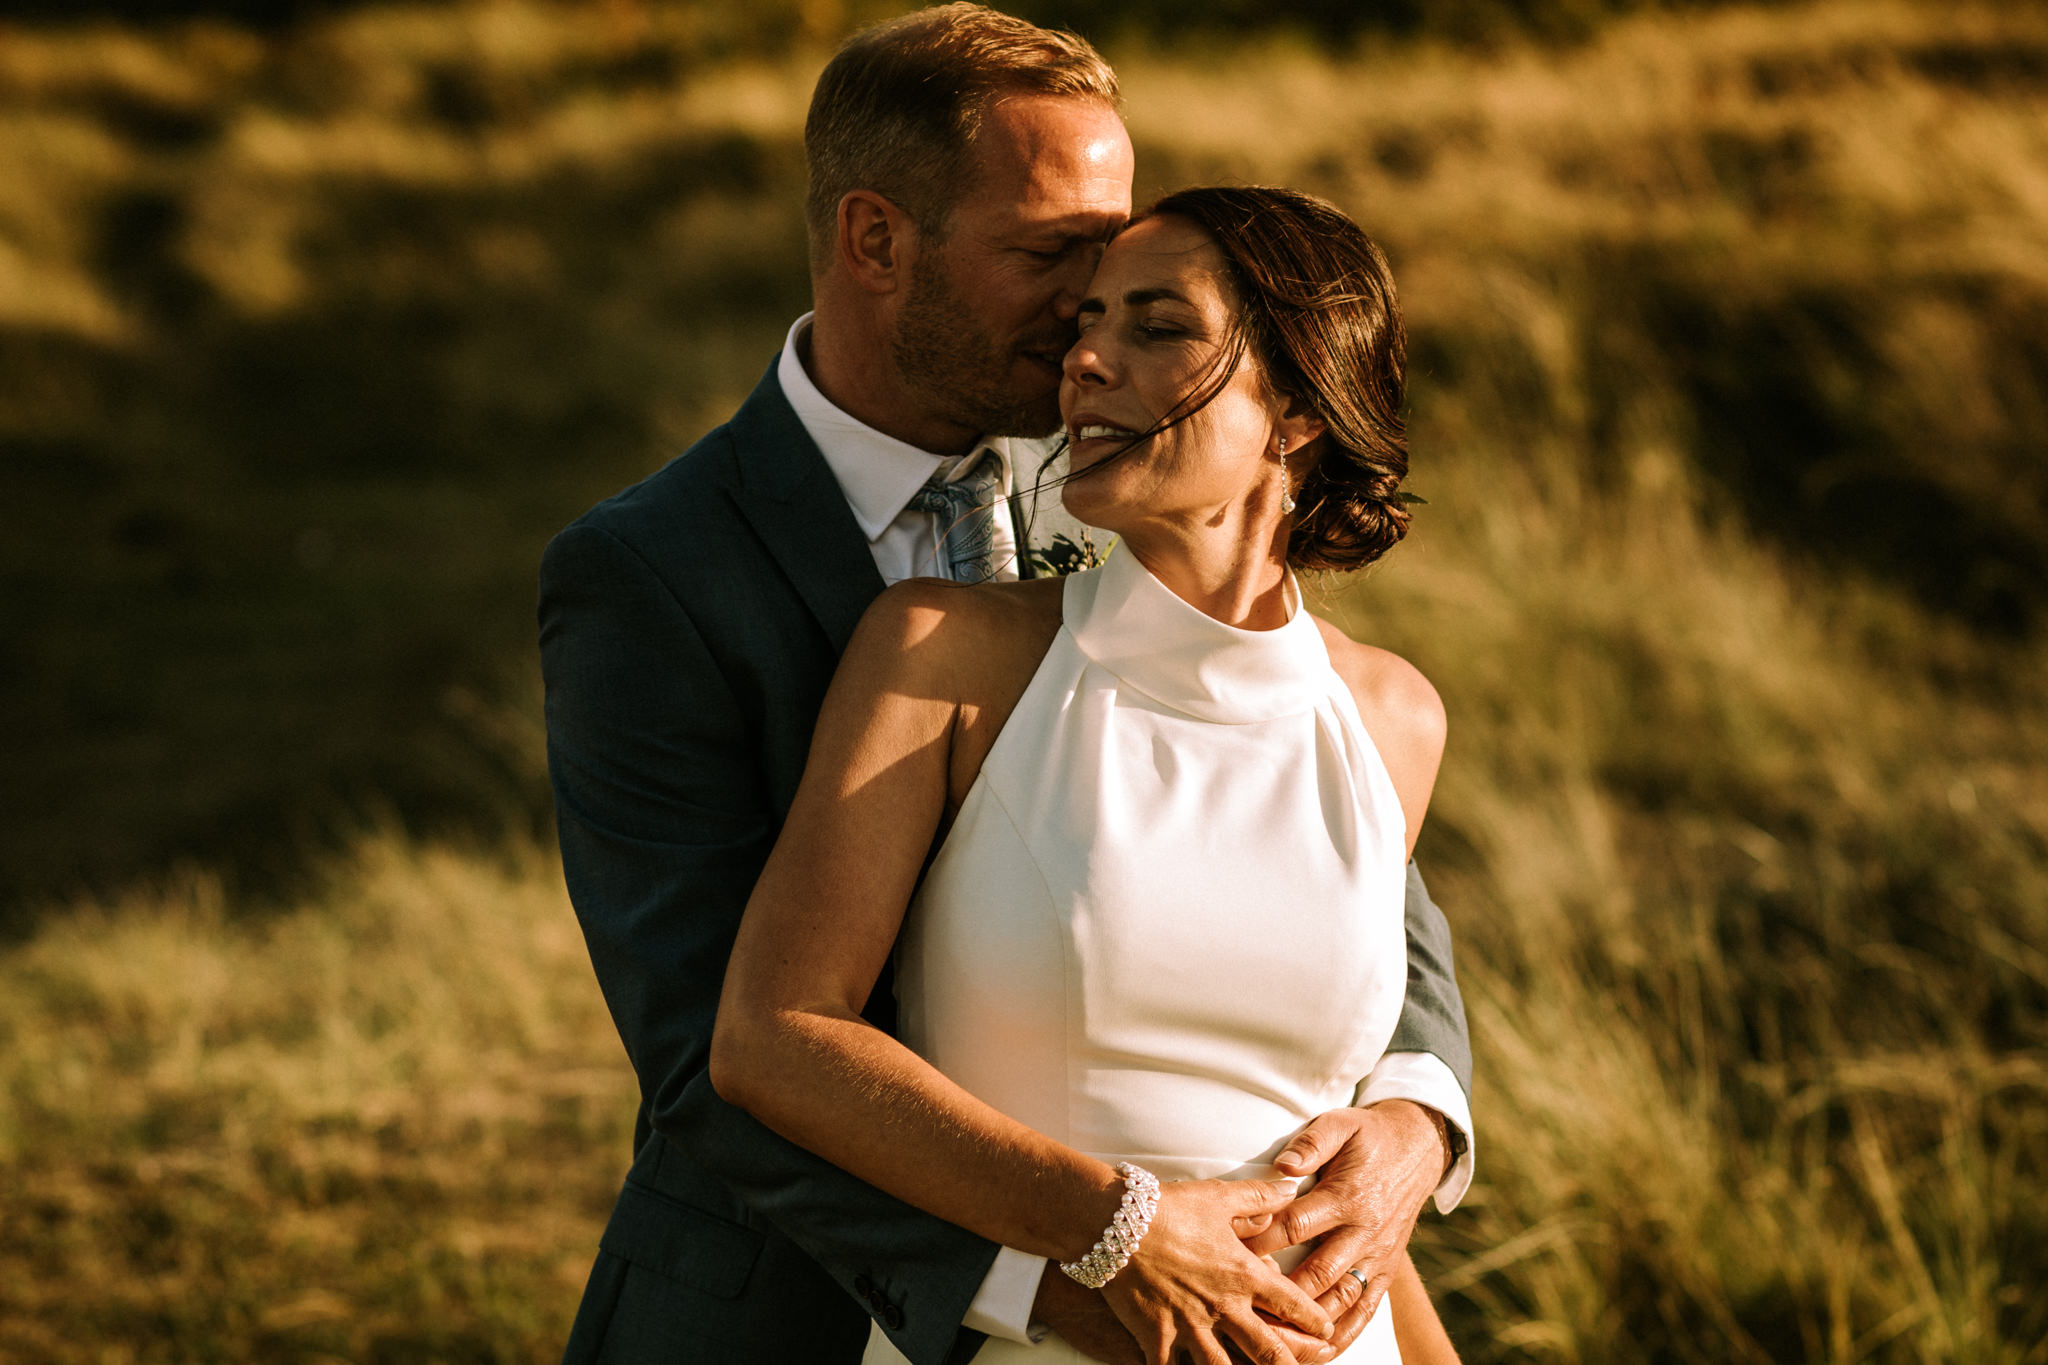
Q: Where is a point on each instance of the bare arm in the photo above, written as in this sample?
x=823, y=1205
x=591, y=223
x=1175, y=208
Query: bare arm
x=667, y=806
x=1418, y=1331
x=791, y=1047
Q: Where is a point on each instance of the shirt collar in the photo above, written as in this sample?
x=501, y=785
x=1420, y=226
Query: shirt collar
x=877, y=473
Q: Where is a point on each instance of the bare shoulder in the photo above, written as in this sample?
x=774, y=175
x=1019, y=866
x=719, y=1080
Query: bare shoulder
x=1387, y=686
x=1402, y=712
x=959, y=655
x=918, y=609
x=932, y=629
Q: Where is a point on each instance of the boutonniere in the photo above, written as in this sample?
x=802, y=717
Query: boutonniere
x=1063, y=556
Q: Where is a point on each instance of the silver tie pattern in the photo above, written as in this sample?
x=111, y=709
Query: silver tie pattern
x=966, y=510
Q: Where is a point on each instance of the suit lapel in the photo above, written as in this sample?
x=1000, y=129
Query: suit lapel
x=783, y=487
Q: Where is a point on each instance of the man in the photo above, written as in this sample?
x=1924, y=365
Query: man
x=966, y=169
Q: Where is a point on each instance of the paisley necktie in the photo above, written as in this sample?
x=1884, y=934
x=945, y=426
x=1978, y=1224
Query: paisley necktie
x=965, y=507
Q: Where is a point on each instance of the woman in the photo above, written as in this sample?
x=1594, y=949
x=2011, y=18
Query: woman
x=1164, y=929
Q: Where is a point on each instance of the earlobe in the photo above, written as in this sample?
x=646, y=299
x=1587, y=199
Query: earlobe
x=873, y=234
x=1300, y=435
x=1299, y=423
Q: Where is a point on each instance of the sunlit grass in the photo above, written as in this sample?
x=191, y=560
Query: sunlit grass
x=385, y=1125
x=1729, y=335
x=1749, y=919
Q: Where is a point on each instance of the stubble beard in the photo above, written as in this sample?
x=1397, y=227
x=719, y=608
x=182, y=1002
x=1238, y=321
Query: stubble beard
x=958, y=368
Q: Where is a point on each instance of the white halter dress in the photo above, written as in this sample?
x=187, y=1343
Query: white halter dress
x=1167, y=924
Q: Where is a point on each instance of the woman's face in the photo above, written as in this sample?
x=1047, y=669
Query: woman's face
x=1153, y=326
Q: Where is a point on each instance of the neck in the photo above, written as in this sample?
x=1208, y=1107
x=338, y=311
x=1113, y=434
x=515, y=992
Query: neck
x=1239, y=579
x=848, y=355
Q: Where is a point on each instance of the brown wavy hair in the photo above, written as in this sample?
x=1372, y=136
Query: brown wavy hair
x=1317, y=310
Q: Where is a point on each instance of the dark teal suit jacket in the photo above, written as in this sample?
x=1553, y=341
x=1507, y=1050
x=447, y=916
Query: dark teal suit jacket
x=688, y=628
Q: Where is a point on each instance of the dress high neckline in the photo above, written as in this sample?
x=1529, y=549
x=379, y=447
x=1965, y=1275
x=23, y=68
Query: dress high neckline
x=1137, y=628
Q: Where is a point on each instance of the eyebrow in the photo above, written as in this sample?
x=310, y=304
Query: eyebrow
x=1138, y=298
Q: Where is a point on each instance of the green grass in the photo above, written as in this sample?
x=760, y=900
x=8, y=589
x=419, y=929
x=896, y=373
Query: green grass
x=1730, y=347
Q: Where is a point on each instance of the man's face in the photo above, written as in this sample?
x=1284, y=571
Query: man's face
x=989, y=312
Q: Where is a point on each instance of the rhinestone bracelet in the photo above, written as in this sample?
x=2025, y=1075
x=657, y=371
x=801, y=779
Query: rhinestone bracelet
x=1120, y=1239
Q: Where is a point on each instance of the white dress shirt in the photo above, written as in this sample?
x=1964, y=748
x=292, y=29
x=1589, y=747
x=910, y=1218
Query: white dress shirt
x=879, y=474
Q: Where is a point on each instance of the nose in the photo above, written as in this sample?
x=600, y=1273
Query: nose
x=1085, y=365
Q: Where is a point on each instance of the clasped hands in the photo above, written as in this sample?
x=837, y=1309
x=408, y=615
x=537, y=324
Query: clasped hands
x=1194, y=1291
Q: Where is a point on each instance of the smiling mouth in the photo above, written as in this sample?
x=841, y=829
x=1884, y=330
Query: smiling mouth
x=1096, y=431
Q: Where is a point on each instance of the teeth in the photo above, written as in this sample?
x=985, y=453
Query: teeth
x=1091, y=433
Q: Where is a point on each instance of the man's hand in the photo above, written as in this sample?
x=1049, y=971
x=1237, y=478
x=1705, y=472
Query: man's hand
x=1082, y=1318
x=1375, y=1168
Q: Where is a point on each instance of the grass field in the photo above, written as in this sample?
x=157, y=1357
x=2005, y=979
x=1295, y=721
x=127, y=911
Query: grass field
x=1731, y=408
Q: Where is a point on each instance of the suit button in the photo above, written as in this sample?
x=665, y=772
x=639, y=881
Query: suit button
x=892, y=1317
x=864, y=1287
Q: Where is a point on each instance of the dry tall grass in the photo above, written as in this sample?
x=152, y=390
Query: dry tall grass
x=386, y=1126
x=1731, y=346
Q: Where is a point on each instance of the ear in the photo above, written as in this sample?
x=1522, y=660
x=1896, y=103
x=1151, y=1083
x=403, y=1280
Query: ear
x=1298, y=422
x=875, y=242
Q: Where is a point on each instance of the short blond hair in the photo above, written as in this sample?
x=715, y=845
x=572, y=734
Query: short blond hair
x=897, y=109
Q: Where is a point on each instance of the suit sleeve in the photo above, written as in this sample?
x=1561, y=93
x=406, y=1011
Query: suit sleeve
x=1429, y=1059
x=1433, y=1015
x=665, y=824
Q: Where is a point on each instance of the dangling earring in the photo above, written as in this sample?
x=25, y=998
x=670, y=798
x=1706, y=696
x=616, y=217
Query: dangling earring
x=1286, y=483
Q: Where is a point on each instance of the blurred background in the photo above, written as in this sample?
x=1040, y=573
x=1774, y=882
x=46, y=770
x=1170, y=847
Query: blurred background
x=1729, y=377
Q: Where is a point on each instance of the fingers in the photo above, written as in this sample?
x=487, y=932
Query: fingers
x=1347, y=1246
x=1193, y=1273
x=1251, y=1225
x=1306, y=1218
x=1341, y=1297
x=1324, y=1137
x=1169, y=1329
x=1306, y=1349
x=1255, y=1198
x=1352, y=1307
x=1180, y=1343
x=1284, y=1299
x=1204, y=1348
x=1263, y=1344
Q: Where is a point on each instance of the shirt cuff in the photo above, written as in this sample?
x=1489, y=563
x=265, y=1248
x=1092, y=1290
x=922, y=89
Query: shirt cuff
x=1423, y=1078
x=1002, y=1306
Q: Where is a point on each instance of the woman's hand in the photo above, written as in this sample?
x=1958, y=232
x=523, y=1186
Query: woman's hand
x=1375, y=1169
x=1193, y=1284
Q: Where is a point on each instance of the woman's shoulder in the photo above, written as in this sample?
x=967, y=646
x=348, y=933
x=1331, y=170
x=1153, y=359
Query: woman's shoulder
x=928, y=605
x=1401, y=710
x=932, y=627
x=1385, y=682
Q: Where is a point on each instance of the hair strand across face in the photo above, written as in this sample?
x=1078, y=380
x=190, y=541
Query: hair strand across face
x=1315, y=309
